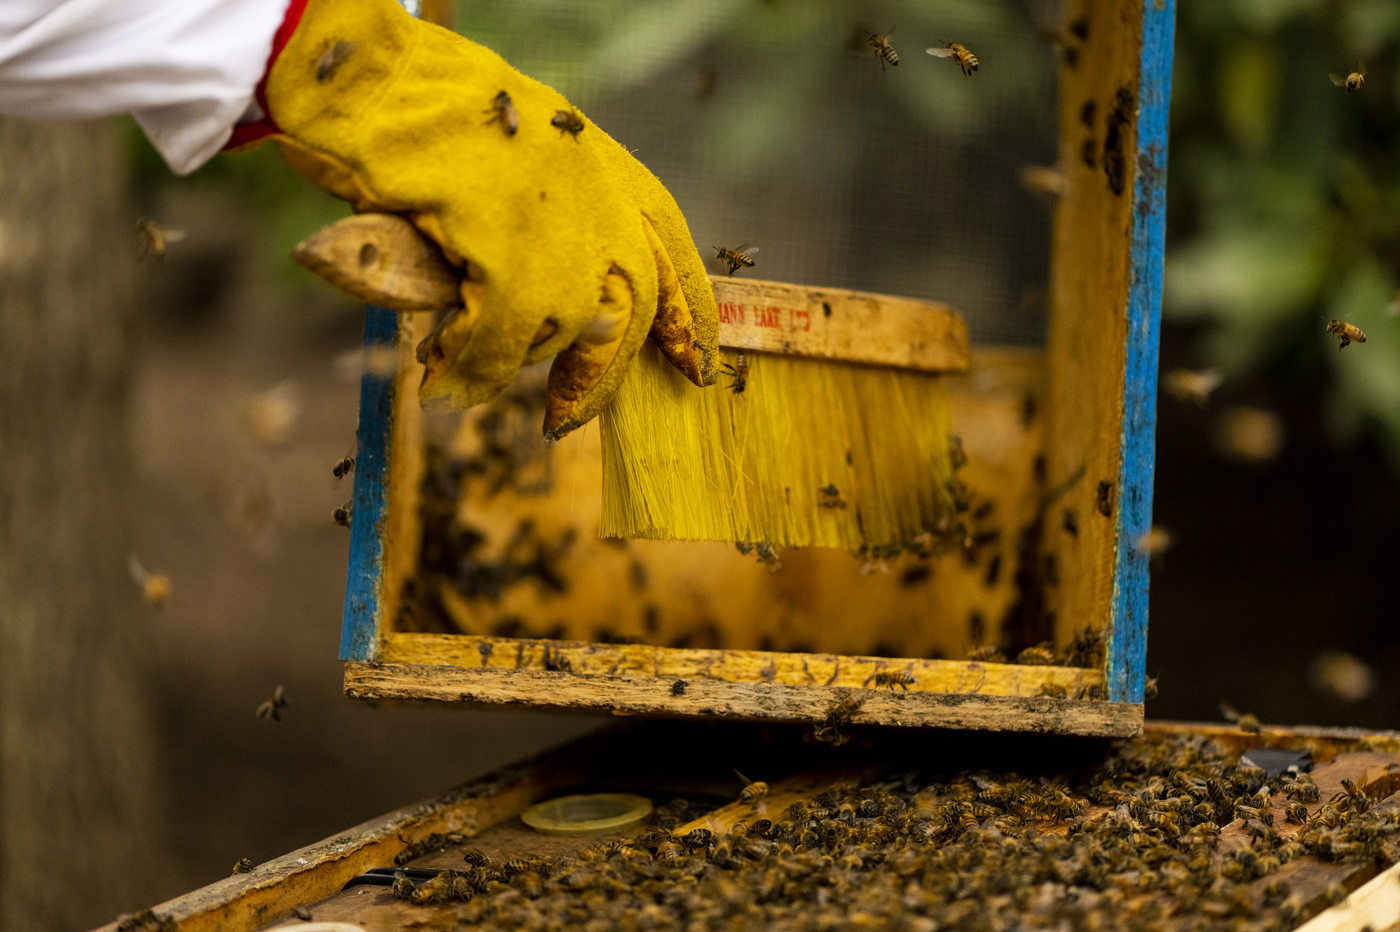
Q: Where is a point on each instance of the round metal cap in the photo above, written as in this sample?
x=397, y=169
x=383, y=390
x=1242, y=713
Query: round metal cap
x=587, y=814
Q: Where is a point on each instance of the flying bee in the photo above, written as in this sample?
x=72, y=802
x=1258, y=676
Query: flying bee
x=568, y=121
x=503, y=111
x=344, y=467
x=736, y=258
x=1346, y=333
x=152, y=238
x=890, y=680
x=965, y=59
x=332, y=58
x=880, y=45
x=343, y=514
x=752, y=789
x=155, y=587
x=1352, y=82
x=273, y=707
x=739, y=372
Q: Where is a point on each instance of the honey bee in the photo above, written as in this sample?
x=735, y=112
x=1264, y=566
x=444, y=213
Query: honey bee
x=890, y=680
x=736, y=258
x=1346, y=333
x=152, y=238
x=880, y=45
x=1296, y=813
x=831, y=497
x=1192, y=384
x=1039, y=655
x=965, y=59
x=739, y=372
x=568, y=121
x=273, y=707
x=555, y=662
x=1353, y=797
x=678, y=688
x=476, y=857
x=343, y=514
x=987, y=655
x=503, y=111
x=155, y=587
x=244, y=866
x=1352, y=82
x=752, y=789
x=344, y=467
x=332, y=58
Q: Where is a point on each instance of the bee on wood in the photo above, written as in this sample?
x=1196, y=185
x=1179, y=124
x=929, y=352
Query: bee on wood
x=503, y=111
x=244, y=866
x=1039, y=655
x=273, y=707
x=1352, y=82
x=568, y=121
x=987, y=655
x=752, y=789
x=678, y=688
x=965, y=59
x=476, y=857
x=1345, y=333
x=556, y=662
x=831, y=497
x=152, y=238
x=344, y=467
x=736, y=258
x=1296, y=813
x=739, y=372
x=343, y=514
x=890, y=680
x=1352, y=797
x=1243, y=720
x=880, y=45
x=332, y=58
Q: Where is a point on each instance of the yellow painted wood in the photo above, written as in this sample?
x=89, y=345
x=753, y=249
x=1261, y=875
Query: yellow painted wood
x=1088, y=309
x=836, y=323
x=735, y=666
x=646, y=694
x=783, y=794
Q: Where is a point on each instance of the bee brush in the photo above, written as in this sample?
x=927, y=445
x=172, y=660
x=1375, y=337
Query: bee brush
x=830, y=429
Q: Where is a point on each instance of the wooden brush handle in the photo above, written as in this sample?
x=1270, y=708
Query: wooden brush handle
x=384, y=260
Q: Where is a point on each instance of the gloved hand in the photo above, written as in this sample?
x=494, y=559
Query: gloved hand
x=570, y=246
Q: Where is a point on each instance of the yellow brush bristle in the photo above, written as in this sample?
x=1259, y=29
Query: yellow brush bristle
x=812, y=453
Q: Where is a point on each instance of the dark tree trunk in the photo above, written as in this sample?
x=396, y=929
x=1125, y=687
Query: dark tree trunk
x=77, y=816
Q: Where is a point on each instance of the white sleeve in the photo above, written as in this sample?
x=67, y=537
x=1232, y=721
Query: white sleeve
x=186, y=69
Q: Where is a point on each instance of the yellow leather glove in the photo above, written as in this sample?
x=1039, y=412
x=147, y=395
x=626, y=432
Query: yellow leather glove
x=571, y=247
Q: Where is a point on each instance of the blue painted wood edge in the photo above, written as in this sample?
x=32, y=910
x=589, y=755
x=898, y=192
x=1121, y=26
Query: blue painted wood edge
x=359, y=635
x=1127, y=660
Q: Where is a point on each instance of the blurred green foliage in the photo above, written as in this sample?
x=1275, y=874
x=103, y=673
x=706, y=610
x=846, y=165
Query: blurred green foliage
x=1284, y=196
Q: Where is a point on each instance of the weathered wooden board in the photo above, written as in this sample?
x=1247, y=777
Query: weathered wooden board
x=1375, y=906
x=643, y=694
x=1105, y=288
x=835, y=323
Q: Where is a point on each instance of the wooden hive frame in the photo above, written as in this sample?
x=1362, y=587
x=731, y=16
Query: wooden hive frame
x=1097, y=376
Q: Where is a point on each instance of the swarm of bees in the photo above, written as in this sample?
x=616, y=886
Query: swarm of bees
x=1134, y=842
x=1352, y=82
x=958, y=53
x=736, y=258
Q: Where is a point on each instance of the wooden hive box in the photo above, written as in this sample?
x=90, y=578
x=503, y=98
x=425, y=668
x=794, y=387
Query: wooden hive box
x=1060, y=454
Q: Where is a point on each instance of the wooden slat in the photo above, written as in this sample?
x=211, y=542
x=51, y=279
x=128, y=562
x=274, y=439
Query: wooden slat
x=829, y=671
x=1105, y=298
x=836, y=323
x=1376, y=906
x=317, y=871
x=652, y=695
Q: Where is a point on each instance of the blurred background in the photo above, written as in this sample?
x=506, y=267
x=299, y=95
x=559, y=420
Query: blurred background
x=186, y=413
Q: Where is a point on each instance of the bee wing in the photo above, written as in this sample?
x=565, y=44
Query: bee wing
x=173, y=236
x=890, y=35
x=749, y=251
x=1337, y=80
x=948, y=53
